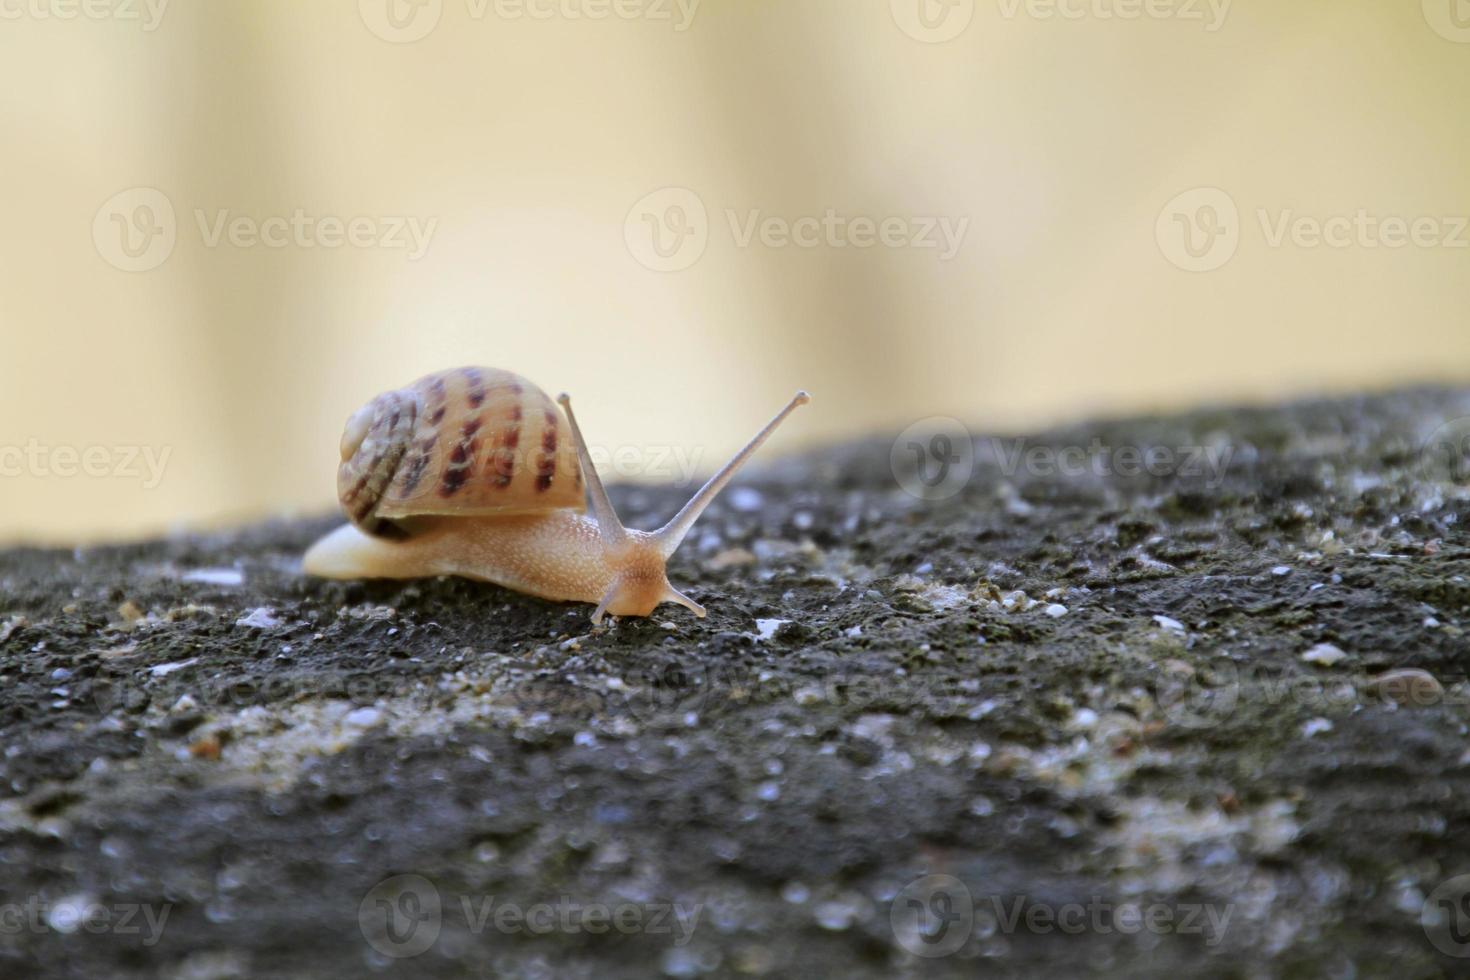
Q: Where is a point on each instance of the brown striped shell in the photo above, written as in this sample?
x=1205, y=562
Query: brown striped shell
x=470, y=441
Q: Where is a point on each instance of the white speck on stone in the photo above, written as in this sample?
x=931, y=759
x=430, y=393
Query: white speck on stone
x=766, y=628
x=982, y=709
x=981, y=806
x=163, y=670
x=769, y=791
x=746, y=499
x=795, y=893
x=1056, y=610
x=1017, y=507
x=1324, y=655
x=1430, y=623
x=853, y=632
x=10, y=626
x=1084, y=718
x=260, y=618
x=1171, y=625
x=66, y=915
x=214, y=576
x=834, y=916
x=1280, y=570
x=1017, y=601
x=363, y=718
x=1316, y=727
x=682, y=963
x=807, y=696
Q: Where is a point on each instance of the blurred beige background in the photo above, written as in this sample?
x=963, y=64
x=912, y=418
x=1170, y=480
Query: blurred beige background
x=1130, y=192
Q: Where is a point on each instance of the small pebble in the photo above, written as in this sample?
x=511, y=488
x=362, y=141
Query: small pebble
x=10, y=626
x=259, y=618
x=795, y=893
x=215, y=576
x=363, y=718
x=1056, y=610
x=67, y=915
x=834, y=916
x=746, y=500
x=1166, y=623
x=207, y=747
x=1316, y=727
x=766, y=628
x=732, y=558
x=1280, y=570
x=1324, y=655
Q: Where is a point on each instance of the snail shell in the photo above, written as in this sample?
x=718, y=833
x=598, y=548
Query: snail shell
x=472, y=441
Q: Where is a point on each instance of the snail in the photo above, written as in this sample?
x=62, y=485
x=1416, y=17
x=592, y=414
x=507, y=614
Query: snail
x=467, y=472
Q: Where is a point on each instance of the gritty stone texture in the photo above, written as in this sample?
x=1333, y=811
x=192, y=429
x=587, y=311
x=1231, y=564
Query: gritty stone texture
x=1054, y=689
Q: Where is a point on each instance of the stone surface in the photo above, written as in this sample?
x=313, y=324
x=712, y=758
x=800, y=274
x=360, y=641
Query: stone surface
x=885, y=724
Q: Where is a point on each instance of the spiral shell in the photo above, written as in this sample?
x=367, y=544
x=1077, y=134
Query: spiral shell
x=471, y=441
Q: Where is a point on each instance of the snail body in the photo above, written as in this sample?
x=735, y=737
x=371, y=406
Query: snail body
x=471, y=473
